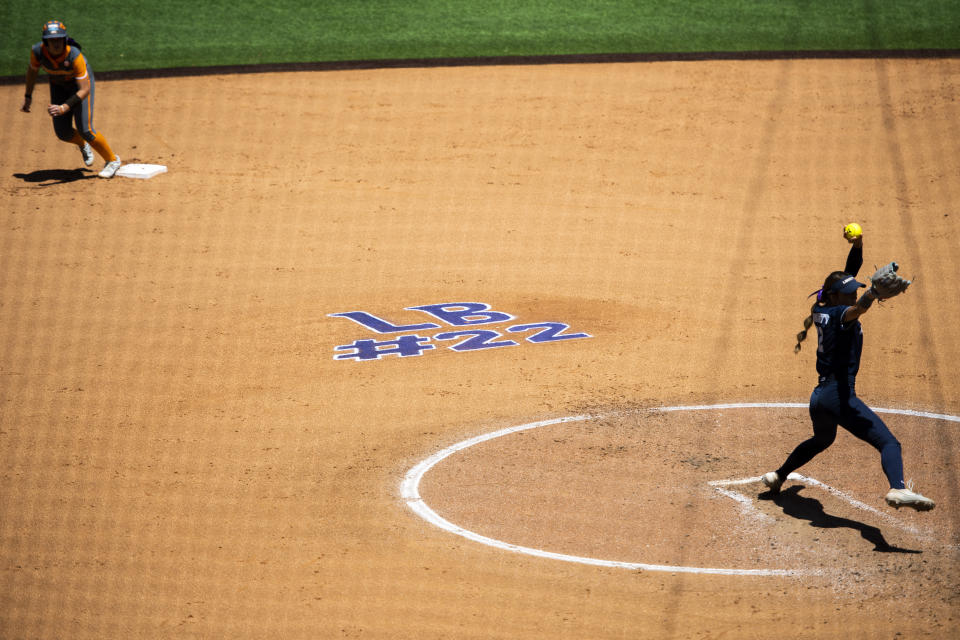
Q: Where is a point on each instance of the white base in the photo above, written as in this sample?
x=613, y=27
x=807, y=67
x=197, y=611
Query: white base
x=142, y=171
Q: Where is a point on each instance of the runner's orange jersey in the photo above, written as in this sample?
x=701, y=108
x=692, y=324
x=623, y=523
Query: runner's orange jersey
x=69, y=67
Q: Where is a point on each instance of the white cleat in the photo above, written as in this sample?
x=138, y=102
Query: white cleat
x=772, y=481
x=110, y=168
x=897, y=498
x=87, y=154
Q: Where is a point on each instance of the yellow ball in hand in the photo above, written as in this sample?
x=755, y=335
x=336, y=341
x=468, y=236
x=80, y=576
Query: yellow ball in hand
x=852, y=231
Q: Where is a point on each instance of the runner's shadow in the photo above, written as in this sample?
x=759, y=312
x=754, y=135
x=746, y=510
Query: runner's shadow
x=802, y=508
x=51, y=177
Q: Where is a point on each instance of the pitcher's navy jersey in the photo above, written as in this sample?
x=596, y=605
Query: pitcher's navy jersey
x=838, y=346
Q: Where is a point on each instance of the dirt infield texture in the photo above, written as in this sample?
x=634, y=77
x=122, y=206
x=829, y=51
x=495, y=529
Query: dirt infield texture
x=185, y=452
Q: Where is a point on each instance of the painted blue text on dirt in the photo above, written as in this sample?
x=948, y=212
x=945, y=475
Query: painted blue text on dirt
x=453, y=314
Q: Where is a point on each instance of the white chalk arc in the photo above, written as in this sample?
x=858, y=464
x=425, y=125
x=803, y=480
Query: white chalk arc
x=410, y=490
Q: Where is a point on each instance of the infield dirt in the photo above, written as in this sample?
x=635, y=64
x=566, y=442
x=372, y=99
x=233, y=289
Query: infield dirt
x=181, y=455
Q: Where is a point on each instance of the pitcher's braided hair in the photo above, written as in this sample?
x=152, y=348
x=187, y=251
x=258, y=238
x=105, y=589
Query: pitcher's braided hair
x=823, y=295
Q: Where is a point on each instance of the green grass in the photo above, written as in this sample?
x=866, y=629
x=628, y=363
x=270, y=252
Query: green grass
x=119, y=35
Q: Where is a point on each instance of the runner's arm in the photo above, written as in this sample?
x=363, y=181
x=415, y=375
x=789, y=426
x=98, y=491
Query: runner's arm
x=28, y=93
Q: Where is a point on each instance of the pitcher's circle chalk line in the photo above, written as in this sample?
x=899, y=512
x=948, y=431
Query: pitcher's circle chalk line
x=410, y=489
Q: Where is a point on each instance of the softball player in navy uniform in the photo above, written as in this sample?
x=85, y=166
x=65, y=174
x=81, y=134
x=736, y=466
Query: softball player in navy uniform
x=71, y=94
x=836, y=315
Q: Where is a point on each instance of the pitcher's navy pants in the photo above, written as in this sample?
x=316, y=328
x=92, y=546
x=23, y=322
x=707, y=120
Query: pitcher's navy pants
x=835, y=403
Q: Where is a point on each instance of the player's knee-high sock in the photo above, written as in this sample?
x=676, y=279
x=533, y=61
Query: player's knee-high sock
x=103, y=148
x=77, y=139
x=804, y=453
x=891, y=459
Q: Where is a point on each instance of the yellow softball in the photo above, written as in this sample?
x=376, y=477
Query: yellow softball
x=852, y=231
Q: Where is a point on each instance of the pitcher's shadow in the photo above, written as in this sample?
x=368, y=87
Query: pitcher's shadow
x=810, y=509
x=50, y=177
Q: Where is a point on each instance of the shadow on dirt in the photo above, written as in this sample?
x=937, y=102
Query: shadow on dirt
x=50, y=177
x=803, y=508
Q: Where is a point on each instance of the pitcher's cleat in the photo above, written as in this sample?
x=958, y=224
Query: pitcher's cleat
x=110, y=168
x=897, y=498
x=87, y=154
x=772, y=481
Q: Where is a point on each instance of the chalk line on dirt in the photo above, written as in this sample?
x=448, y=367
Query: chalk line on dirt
x=410, y=492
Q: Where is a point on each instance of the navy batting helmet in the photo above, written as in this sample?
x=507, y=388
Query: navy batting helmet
x=54, y=29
